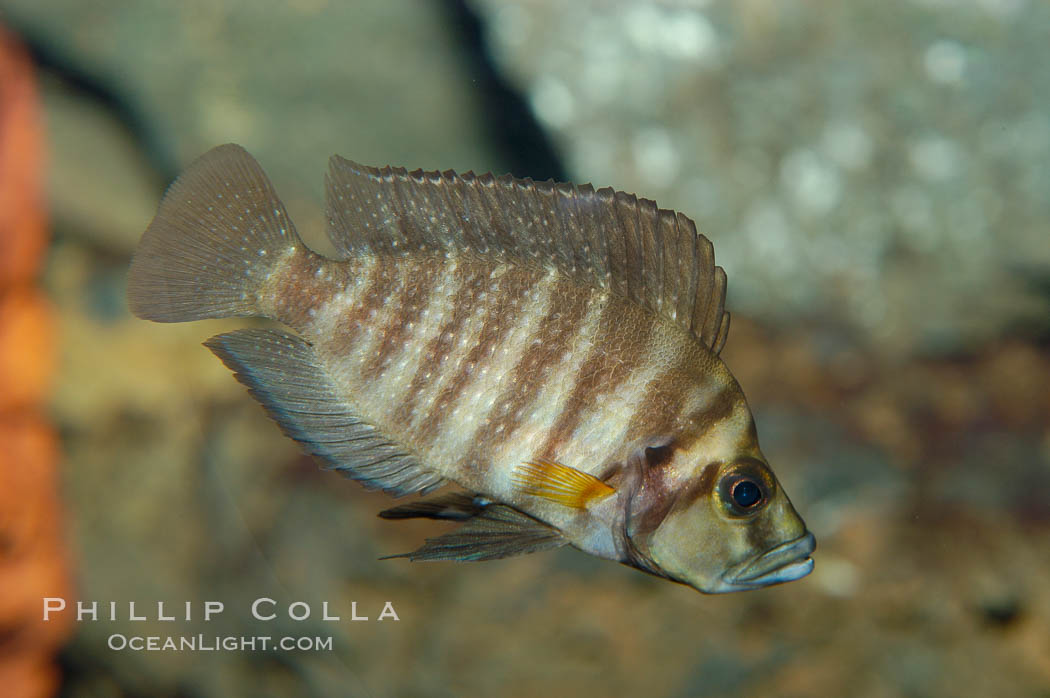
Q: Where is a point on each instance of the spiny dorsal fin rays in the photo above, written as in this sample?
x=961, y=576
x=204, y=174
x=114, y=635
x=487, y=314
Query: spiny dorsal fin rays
x=723, y=333
x=604, y=238
x=712, y=318
x=559, y=483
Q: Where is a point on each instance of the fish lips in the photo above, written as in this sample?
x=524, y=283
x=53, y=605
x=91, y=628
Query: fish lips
x=785, y=563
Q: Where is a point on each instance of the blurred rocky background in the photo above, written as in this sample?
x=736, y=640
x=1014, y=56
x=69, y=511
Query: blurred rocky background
x=874, y=177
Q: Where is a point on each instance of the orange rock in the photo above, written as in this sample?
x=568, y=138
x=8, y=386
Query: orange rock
x=27, y=344
x=32, y=559
x=28, y=457
x=22, y=219
x=28, y=679
x=33, y=562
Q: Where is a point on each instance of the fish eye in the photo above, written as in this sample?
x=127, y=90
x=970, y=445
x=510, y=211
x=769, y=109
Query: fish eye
x=746, y=494
x=745, y=488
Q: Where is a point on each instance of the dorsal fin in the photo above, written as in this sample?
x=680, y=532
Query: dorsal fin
x=604, y=238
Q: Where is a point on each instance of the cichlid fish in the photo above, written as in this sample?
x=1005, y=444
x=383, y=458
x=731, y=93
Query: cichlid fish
x=550, y=349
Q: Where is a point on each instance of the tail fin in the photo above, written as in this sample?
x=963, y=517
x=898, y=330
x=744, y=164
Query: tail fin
x=218, y=232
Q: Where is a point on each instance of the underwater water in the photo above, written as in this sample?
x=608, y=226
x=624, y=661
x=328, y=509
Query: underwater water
x=874, y=182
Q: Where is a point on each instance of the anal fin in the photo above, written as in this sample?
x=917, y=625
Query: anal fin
x=282, y=372
x=496, y=532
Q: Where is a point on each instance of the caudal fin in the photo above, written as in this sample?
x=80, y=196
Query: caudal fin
x=218, y=232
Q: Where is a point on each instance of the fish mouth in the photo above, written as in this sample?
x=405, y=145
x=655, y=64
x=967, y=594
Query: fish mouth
x=785, y=563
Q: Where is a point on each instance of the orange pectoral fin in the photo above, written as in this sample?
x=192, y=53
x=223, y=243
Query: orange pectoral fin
x=560, y=483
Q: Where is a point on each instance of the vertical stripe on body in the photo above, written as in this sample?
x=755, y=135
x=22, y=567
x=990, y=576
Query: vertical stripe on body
x=683, y=403
x=377, y=334
x=341, y=324
x=407, y=330
x=620, y=347
x=426, y=382
x=602, y=423
x=425, y=284
x=300, y=284
x=696, y=402
x=541, y=382
x=515, y=302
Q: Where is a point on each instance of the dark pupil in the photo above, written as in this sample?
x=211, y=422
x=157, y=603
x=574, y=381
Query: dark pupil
x=746, y=493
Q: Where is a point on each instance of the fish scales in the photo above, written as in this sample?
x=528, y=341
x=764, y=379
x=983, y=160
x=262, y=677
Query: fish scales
x=539, y=383
x=551, y=349
x=485, y=375
x=474, y=371
x=427, y=386
x=493, y=359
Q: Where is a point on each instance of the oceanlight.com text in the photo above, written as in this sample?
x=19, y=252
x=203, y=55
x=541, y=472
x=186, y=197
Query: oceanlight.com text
x=217, y=643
